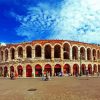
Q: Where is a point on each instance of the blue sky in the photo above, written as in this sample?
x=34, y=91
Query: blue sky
x=27, y=20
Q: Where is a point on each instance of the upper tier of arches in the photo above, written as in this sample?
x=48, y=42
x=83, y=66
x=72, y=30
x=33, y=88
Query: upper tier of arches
x=63, y=50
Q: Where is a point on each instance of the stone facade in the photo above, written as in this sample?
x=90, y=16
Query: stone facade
x=31, y=59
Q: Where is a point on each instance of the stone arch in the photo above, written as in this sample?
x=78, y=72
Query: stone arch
x=38, y=50
x=1, y=55
x=5, y=71
x=57, y=51
x=67, y=69
x=82, y=53
x=28, y=71
x=83, y=68
x=88, y=54
x=6, y=54
x=12, y=53
x=98, y=54
x=47, y=51
x=38, y=70
x=94, y=68
x=94, y=54
x=75, y=52
x=20, y=70
x=29, y=52
x=66, y=51
x=99, y=68
x=48, y=68
x=57, y=69
x=75, y=69
x=20, y=52
x=90, y=68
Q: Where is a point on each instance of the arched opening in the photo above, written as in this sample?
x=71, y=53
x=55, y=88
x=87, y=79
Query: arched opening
x=1, y=71
x=5, y=71
x=66, y=49
x=11, y=69
x=99, y=68
x=95, y=68
x=20, y=52
x=47, y=52
x=57, y=69
x=38, y=70
x=20, y=71
x=6, y=55
x=48, y=69
x=90, y=69
x=1, y=55
x=29, y=52
x=57, y=51
x=82, y=53
x=94, y=54
x=88, y=54
x=28, y=71
x=75, y=69
x=66, y=69
x=98, y=54
x=75, y=52
x=12, y=51
x=37, y=51
x=83, y=68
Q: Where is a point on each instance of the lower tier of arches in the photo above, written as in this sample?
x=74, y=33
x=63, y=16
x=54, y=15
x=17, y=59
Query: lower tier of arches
x=38, y=70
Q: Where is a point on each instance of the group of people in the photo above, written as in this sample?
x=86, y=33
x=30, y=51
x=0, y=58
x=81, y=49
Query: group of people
x=46, y=76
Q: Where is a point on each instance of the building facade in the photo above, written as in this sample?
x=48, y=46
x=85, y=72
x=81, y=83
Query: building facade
x=31, y=59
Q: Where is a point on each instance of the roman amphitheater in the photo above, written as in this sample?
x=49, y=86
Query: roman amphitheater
x=31, y=59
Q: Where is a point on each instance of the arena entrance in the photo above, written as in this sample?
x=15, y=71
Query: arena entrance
x=75, y=69
x=66, y=69
x=5, y=71
x=95, y=68
x=57, y=69
x=48, y=69
x=83, y=69
x=90, y=69
x=20, y=71
x=28, y=71
x=38, y=70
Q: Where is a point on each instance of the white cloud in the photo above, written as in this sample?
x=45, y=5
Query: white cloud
x=74, y=20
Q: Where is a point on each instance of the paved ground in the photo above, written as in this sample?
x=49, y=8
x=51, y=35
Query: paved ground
x=62, y=88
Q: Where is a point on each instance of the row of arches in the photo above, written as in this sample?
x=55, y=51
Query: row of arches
x=48, y=68
x=66, y=50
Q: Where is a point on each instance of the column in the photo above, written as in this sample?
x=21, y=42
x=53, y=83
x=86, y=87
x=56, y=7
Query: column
x=24, y=71
x=33, y=53
x=79, y=55
x=61, y=53
x=86, y=54
x=52, y=70
x=24, y=53
x=16, y=54
x=33, y=71
x=43, y=53
x=70, y=53
x=52, y=53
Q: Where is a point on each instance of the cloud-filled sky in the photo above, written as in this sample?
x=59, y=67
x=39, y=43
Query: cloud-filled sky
x=27, y=20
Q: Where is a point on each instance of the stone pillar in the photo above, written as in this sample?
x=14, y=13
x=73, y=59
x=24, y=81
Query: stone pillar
x=33, y=53
x=52, y=54
x=61, y=53
x=43, y=53
x=79, y=54
x=24, y=71
x=86, y=54
x=33, y=71
x=53, y=70
x=71, y=69
x=24, y=53
x=70, y=53
x=8, y=70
